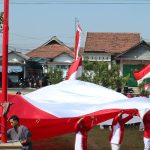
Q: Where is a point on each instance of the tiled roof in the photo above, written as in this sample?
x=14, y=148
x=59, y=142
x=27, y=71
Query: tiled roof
x=110, y=42
x=50, y=50
x=138, y=44
x=81, y=50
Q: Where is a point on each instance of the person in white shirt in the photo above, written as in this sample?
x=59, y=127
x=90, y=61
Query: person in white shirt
x=117, y=132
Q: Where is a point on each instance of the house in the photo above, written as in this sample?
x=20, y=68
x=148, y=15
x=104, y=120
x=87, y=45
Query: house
x=53, y=53
x=19, y=68
x=16, y=67
x=134, y=58
x=127, y=49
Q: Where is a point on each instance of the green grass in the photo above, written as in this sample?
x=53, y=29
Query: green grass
x=97, y=140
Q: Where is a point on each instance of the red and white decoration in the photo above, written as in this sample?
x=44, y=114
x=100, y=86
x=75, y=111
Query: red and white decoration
x=77, y=42
x=75, y=70
x=56, y=109
x=147, y=87
x=142, y=74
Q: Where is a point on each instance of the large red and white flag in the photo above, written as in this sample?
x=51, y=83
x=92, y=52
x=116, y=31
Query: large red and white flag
x=77, y=41
x=142, y=74
x=75, y=70
x=57, y=109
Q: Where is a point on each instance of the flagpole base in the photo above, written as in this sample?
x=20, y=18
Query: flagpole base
x=11, y=146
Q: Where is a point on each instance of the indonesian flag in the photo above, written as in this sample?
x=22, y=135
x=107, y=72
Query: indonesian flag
x=142, y=74
x=77, y=42
x=75, y=70
x=147, y=86
x=57, y=109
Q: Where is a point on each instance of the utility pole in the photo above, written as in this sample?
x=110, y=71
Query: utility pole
x=4, y=100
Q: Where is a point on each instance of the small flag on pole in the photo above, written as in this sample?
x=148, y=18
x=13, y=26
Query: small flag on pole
x=75, y=70
x=142, y=74
x=77, y=41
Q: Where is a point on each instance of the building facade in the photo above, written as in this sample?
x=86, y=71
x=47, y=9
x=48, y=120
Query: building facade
x=53, y=54
x=126, y=49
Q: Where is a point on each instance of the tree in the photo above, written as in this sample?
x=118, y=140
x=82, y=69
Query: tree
x=142, y=90
x=99, y=73
x=55, y=75
x=1, y=21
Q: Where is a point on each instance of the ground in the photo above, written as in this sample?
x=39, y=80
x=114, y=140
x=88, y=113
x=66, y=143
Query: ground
x=97, y=140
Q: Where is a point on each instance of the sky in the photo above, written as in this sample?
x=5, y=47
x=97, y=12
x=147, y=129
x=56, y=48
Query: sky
x=34, y=22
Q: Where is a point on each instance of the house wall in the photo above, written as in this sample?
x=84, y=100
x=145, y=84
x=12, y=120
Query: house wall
x=64, y=58
x=142, y=52
x=134, y=59
x=16, y=68
x=13, y=58
x=98, y=56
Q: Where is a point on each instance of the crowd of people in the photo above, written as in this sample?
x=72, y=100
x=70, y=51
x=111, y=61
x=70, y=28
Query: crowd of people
x=33, y=81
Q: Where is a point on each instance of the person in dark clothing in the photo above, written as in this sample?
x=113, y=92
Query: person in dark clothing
x=19, y=133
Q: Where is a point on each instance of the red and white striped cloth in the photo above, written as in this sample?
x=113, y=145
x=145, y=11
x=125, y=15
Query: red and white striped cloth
x=77, y=42
x=55, y=110
x=75, y=70
x=142, y=74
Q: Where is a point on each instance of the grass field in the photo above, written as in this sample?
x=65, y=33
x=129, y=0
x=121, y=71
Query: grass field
x=97, y=140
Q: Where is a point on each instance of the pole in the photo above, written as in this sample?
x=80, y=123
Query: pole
x=4, y=67
x=75, y=39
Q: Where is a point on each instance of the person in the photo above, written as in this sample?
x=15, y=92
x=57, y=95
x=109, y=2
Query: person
x=19, y=133
x=117, y=131
x=18, y=92
x=82, y=127
x=146, y=137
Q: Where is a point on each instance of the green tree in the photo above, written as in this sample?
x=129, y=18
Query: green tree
x=55, y=75
x=99, y=73
x=1, y=21
x=142, y=89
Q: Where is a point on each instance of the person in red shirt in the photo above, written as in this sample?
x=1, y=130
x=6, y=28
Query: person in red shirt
x=146, y=138
x=117, y=132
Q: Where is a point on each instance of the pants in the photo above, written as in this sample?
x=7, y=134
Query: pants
x=146, y=143
x=115, y=146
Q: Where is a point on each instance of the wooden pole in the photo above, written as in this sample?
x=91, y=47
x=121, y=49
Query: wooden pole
x=4, y=68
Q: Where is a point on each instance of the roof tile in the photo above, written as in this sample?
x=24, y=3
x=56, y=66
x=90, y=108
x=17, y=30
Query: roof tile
x=110, y=42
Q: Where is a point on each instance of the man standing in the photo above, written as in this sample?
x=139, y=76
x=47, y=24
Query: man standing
x=117, y=132
x=146, y=138
x=19, y=133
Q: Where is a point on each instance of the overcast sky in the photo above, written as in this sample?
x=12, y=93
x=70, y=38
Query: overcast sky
x=33, y=22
